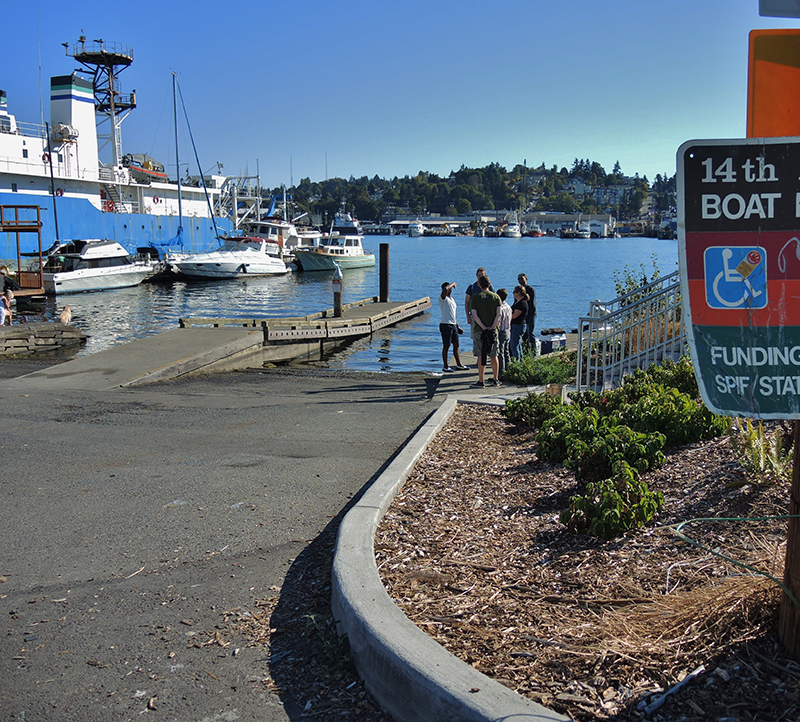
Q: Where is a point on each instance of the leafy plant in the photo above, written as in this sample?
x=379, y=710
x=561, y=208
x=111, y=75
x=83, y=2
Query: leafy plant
x=551, y=368
x=760, y=452
x=611, y=507
x=531, y=410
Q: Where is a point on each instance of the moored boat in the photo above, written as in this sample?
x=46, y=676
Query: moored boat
x=238, y=257
x=344, y=251
x=416, y=229
x=92, y=265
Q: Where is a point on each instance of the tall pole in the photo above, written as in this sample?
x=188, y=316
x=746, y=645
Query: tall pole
x=177, y=152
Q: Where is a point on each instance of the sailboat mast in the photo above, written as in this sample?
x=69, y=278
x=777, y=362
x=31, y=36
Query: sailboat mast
x=177, y=154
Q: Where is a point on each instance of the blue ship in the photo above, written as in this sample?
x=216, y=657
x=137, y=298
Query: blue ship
x=129, y=199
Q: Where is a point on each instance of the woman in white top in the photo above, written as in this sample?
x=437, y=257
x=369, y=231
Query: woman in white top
x=449, y=328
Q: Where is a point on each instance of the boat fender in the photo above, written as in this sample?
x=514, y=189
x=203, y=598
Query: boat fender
x=156, y=199
x=46, y=157
x=59, y=191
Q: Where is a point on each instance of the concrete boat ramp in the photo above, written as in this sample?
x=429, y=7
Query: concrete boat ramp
x=205, y=345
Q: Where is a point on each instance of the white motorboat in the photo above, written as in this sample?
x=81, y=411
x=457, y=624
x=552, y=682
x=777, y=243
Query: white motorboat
x=416, y=229
x=512, y=229
x=237, y=257
x=92, y=265
x=584, y=230
x=344, y=251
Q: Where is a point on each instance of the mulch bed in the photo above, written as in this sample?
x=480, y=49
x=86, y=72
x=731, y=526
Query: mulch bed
x=473, y=552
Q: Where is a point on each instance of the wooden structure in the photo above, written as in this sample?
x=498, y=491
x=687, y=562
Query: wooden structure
x=24, y=219
x=284, y=339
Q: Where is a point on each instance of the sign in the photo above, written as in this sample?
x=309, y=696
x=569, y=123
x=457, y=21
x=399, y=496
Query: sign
x=779, y=8
x=773, y=77
x=739, y=252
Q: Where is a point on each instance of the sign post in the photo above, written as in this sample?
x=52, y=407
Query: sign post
x=739, y=253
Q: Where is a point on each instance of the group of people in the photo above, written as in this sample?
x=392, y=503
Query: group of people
x=497, y=329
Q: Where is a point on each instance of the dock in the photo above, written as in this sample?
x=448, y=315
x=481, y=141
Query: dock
x=210, y=345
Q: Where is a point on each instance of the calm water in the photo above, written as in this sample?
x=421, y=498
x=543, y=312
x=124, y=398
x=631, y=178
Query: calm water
x=567, y=275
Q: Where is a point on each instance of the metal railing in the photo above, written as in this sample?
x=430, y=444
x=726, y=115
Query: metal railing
x=640, y=328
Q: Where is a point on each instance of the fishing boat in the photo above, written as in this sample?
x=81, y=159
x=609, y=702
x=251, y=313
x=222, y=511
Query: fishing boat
x=57, y=167
x=532, y=230
x=92, y=265
x=238, y=257
x=344, y=251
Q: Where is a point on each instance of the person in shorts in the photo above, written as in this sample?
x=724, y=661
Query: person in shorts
x=449, y=328
x=485, y=310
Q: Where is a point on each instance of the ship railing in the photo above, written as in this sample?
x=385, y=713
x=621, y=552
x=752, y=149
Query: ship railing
x=635, y=330
x=29, y=130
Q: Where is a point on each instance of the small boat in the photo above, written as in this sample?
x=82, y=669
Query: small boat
x=92, y=265
x=532, y=230
x=143, y=168
x=345, y=224
x=584, y=230
x=416, y=229
x=344, y=251
x=512, y=229
x=237, y=257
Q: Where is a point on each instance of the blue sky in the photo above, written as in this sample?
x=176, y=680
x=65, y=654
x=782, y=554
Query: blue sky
x=290, y=89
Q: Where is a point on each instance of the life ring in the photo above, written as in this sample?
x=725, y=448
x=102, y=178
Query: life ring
x=156, y=199
x=46, y=157
x=5, y=270
x=59, y=191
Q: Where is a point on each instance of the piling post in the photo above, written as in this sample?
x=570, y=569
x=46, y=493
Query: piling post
x=338, y=285
x=789, y=621
x=384, y=272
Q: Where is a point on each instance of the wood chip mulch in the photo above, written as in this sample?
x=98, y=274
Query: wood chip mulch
x=474, y=554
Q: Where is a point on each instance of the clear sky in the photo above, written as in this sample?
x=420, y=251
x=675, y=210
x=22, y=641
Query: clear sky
x=313, y=88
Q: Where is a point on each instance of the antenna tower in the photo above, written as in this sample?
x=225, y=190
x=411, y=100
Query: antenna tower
x=105, y=61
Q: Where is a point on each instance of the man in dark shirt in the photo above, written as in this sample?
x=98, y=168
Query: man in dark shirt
x=475, y=331
x=530, y=321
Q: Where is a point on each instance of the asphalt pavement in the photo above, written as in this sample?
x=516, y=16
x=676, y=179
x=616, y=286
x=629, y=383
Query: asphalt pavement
x=134, y=518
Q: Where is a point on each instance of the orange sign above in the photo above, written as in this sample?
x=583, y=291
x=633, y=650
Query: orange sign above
x=773, y=84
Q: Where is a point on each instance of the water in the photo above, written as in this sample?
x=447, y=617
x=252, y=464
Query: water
x=567, y=275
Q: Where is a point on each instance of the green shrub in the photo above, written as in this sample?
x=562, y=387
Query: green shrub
x=610, y=439
x=531, y=410
x=591, y=445
x=611, y=507
x=551, y=368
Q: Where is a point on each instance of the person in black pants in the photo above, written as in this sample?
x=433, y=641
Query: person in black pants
x=530, y=320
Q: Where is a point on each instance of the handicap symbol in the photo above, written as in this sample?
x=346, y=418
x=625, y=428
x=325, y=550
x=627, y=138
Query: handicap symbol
x=735, y=277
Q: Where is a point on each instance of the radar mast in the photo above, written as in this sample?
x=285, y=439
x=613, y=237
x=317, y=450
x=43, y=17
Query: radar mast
x=105, y=61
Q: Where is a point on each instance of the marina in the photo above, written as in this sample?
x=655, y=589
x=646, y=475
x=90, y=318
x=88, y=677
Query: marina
x=567, y=275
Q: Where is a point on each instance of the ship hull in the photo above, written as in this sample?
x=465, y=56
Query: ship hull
x=78, y=218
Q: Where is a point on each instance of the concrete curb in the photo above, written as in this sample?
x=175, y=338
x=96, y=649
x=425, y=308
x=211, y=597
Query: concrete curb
x=412, y=677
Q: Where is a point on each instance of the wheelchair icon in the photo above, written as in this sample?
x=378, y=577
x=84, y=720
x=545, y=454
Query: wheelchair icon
x=732, y=286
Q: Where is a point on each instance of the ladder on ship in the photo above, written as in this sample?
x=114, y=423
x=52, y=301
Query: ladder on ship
x=112, y=203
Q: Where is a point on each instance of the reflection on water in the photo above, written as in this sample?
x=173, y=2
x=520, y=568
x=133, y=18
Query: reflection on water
x=567, y=275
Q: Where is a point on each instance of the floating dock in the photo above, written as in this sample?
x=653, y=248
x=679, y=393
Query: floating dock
x=209, y=345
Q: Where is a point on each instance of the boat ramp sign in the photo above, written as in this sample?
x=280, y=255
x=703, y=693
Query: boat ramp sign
x=739, y=252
